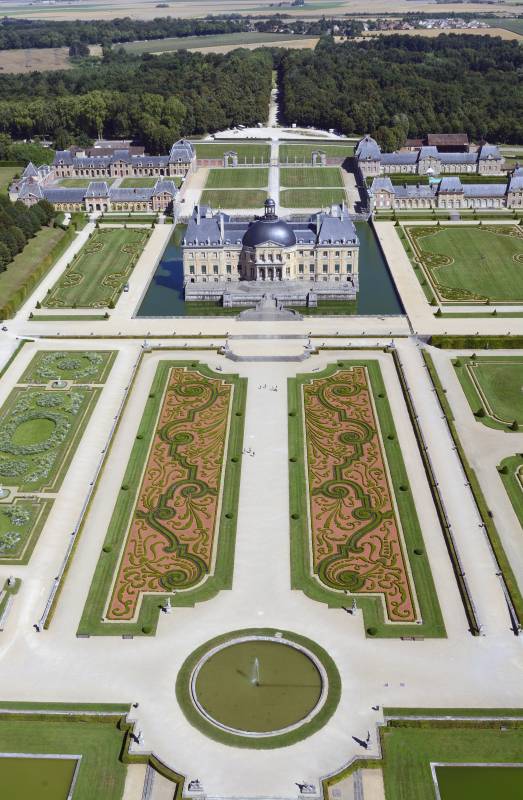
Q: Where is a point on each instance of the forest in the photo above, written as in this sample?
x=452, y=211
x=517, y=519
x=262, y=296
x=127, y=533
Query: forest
x=153, y=99
x=18, y=224
x=398, y=86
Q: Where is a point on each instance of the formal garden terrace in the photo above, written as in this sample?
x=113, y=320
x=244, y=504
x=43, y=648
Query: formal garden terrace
x=41, y=424
x=171, y=536
x=354, y=526
x=493, y=388
x=97, y=274
x=467, y=264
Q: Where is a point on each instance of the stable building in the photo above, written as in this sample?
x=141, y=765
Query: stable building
x=297, y=260
x=99, y=196
x=428, y=159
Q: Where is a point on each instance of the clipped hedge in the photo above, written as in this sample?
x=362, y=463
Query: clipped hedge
x=473, y=342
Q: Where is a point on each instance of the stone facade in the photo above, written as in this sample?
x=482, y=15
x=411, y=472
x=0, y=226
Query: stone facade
x=427, y=160
x=221, y=251
x=123, y=163
x=448, y=193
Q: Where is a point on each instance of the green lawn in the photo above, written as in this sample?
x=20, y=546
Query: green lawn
x=101, y=773
x=256, y=178
x=375, y=620
x=233, y=198
x=311, y=198
x=221, y=577
x=295, y=177
x=98, y=273
x=138, y=183
x=247, y=152
x=82, y=183
x=28, y=267
x=303, y=152
x=6, y=176
x=409, y=750
x=471, y=263
x=511, y=472
x=78, y=366
x=495, y=385
x=39, y=432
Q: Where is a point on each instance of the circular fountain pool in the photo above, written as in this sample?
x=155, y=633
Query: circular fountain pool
x=258, y=685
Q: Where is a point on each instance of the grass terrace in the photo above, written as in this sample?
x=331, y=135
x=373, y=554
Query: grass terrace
x=392, y=581
x=98, y=273
x=21, y=523
x=470, y=264
x=248, y=152
x=233, y=198
x=184, y=427
x=78, y=366
x=311, y=198
x=141, y=183
x=256, y=178
x=298, y=177
x=30, y=266
x=303, y=152
x=493, y=388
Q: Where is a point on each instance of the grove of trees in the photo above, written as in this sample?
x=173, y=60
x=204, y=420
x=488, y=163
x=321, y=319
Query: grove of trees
x=397, y=86
x=153, y=99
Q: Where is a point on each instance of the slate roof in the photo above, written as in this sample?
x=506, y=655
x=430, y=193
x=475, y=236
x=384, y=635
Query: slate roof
x=368, y=148
x=489, y=151
x=399, y=158
x=97, y=189
x=451, y=184
x=484, y=189
x=414, y=190
x=61, y=195
x=30, y=171
x=30, y=190
x=334, y=228
x=101, y=158
x=182, y=150
x=516, y=183
x=383, y=184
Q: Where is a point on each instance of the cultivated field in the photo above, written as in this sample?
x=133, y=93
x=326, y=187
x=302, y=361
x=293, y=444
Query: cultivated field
x=248, y=153
x=39, y=59
x=431, y=33
x=238, y=178
x=233, y=198
x=218, y=43
x=493, y=387
x=99, y=271
x=311, y=198
x=303, y=152
x=471, y=264
x=310, y=176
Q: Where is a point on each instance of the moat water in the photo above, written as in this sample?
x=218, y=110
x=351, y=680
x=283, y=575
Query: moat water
x=377, y=294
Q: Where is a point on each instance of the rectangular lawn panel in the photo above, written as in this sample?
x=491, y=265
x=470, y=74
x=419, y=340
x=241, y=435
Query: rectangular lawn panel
x=101, y=773
x=173, y=526
x=310, y=176
x=45, y=778
x=100, y=270
x=142, y=183
x=354, y=524
x=82, y=183
x=479, y=782
x=410, y=748
x=78, y=366
x=39, y=432
x=248, y=153
x=239, y=177
x=233, y=198
x=311, y=198
x=303, y=152
x=511, y=473
x=471, y=264
x=493, y=386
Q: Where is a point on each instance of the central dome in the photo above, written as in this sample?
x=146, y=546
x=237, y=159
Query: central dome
x=269, y=229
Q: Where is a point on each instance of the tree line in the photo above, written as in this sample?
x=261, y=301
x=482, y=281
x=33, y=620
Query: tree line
x=398, y=86
x=152, y=99
x=18, y=224
x=24, y=33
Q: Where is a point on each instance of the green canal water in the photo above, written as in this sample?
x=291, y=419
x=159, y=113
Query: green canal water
x=258, y=686
x=36, y=778
x=377, y=294
x=480, y=783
